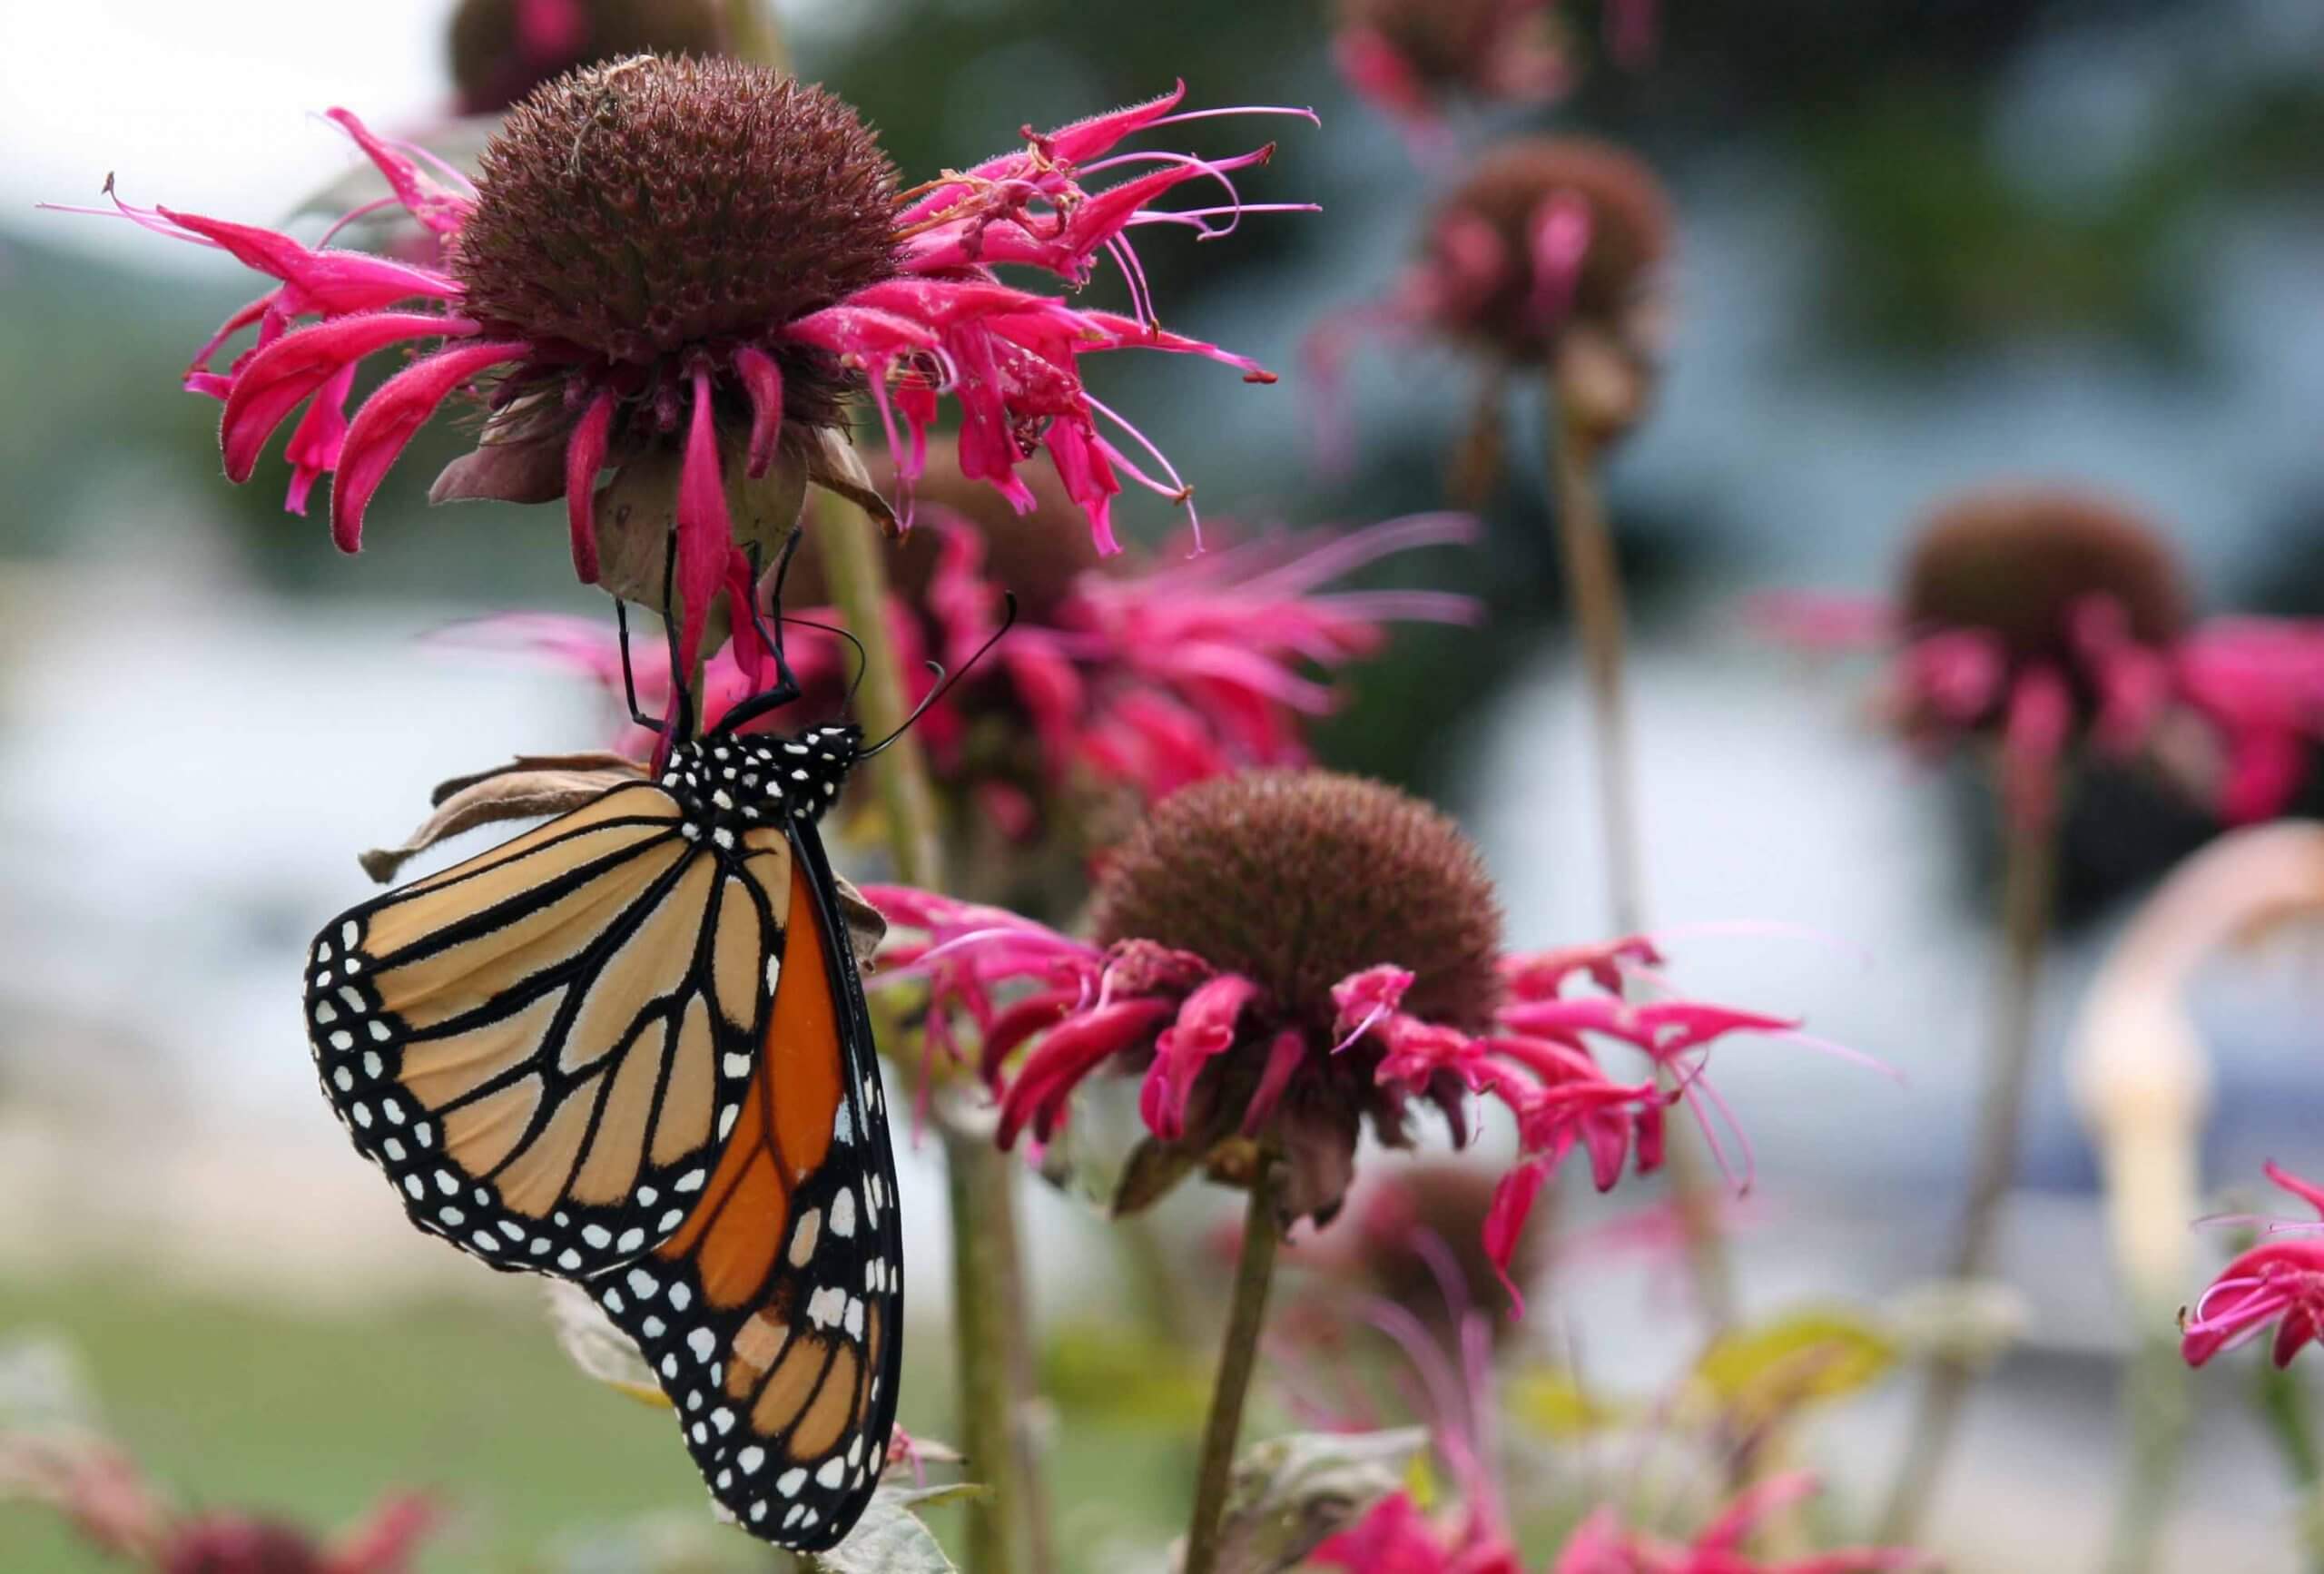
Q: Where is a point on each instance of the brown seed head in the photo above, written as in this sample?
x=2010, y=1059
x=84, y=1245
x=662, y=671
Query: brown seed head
x=1297, y=879
x=227, y=1545
x=499, y=53
x=1446, y=43
x=642, y=211
x=2016, y=561
x=1631, y=233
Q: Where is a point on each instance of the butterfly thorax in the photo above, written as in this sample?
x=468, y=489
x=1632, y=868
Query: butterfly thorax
x=730, y=784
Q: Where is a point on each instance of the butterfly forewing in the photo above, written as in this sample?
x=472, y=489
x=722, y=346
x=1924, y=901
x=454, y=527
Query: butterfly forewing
x=629, y=1048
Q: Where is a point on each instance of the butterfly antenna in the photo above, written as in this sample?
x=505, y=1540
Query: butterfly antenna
x=944, y=681
x=862, y=659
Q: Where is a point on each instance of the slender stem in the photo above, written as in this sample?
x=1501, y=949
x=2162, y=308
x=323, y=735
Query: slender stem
x=1253, y=1272
x=2028, y=880
x=2283, y=1402
x=2156, y=1408
x=987, y=1314
x=1594, y=591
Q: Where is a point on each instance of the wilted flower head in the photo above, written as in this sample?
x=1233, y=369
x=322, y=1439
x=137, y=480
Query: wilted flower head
x=1141, y=679
x=684, y=269
x=1287, y=955
x=2045, y=618
x=503, y=49
x=1551, y=252
x=1409, y=57
x=2281, y=1281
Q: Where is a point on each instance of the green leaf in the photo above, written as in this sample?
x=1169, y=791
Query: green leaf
x=1761, y=1374
x=1549, y=1400
x=890, y=1538
x=1291, y=1493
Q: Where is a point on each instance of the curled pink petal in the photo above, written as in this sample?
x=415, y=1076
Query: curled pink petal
x=391, y=415
x=585, y=455
x=274, y=381
x=763, y=380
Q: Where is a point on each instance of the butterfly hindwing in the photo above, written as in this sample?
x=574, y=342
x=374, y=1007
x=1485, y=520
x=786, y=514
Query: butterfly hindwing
x=772, y=1317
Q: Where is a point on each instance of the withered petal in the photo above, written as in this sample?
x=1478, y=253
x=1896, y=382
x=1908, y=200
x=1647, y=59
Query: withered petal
x=528, y=788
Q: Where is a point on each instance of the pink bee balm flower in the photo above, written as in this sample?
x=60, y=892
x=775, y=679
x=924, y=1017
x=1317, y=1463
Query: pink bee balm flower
x=1602, y=1545
x=1551, y=253
x=2280, y=1281
x=684, y=269
x=2049, y=620
x=1285, y=956
x=1410, y=57
x=1151, y=678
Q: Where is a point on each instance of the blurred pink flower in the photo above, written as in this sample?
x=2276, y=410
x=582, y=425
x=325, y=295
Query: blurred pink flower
x=706, y=259
x=1296, y=954
x=501, y=50
x=2279, y=1281
x=1602, y=1545
x=1152, y=679
x=1411, y=57
x=2046, y=620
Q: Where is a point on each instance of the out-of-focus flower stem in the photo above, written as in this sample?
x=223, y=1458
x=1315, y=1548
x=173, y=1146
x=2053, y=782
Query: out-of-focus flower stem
x=1594, y=591
x=2155, y=1401
x=2281, y=1399
x=753, y=33
x=2029, y=883
x=987, y=1291
x=1237, y=1357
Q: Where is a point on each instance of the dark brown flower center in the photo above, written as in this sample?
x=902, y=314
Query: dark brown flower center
x=1445, y=42
x=1298, y=878
x=2017, y=562
x=639, y=213
x=503, y=49
x=1511, y=189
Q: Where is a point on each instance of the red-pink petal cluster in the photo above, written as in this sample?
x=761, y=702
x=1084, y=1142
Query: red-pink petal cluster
x=944, y=325
x=2280, y=1281
x=2255, y=684
x=1601, y=1544
x=1153, y=680
x=1071, y=1007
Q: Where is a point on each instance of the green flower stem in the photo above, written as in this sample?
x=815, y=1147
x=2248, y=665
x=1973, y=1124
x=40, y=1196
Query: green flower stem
x=2277, y=1394
x=2155, y=1404
x=987, y=1291
x=1594, y=592
x=1247, y=1314
x=2029, y=883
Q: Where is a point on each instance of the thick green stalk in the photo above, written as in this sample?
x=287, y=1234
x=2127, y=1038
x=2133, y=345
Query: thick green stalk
x=987, y=1314
x=2028, y=880
x=1594, y=591
x=1237, y=1358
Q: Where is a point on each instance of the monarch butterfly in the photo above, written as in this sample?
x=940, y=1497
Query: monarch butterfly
x=629, y=1048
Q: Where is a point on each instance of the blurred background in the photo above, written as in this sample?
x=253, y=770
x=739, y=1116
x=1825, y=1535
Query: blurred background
x=1922, y=245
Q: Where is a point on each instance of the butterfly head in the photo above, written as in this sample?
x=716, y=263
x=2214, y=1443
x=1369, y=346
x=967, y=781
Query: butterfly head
x=732, y=782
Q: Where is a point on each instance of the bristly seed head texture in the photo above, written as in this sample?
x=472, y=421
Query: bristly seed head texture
x=1297, y=879
x=1631, y=229
x=642, y=209
x=2016, y=562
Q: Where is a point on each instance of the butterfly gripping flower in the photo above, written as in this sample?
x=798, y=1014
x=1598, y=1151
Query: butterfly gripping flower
x=686, y=270
x=2280, y=1281
x=2046, y=619
x=1284, y=957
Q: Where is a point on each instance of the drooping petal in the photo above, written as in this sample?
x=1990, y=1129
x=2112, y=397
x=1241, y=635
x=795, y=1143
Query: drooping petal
x=763, y=380
x=705, y=530
x=1205, y=1029
x=314, y=448
x=388, y=420
x=274, y=381
x=1512, y=1205
x=585, y=455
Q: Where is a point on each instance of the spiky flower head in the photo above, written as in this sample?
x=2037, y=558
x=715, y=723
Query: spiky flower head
x=1284, y=957
x=501, y=50
x=654, y=213
x=2044, y=619
x=676, y=270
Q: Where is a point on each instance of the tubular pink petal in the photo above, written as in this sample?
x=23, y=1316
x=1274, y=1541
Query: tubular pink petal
x=441, y=210
x=386, y=423
x=314, y=447
x=1560, y=239
x=2034, y=740
x=1205, y=1029
x=1504, y=1226
x=585, y=455
x=1069, y=1052
x=332, y=282
x=705, y=530
x=271, y=385
x=1084, y=139
x=763, y=380
x=1285, y=1057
